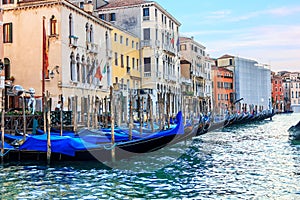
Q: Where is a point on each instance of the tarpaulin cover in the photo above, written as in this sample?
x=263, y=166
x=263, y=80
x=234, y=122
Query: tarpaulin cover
x=59, y=144
x=6, y=146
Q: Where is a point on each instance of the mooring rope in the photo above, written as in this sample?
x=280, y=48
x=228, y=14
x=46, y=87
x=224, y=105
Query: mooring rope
x=2, y=155
x=110, y=147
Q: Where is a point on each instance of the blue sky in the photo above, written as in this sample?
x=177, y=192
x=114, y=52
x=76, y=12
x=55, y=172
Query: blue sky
x=267, y=31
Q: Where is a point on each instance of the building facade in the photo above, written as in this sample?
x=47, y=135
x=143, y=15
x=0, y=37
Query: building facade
x=252, y=82
x=73, y=44
x=222, y=90
x=158, y=31
x=195, y=60
x=277, y=92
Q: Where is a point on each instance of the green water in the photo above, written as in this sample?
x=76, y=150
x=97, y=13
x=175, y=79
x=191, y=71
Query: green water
x=253, y=161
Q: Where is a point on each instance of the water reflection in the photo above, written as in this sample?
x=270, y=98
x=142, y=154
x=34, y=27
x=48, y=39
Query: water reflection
x=256, y=161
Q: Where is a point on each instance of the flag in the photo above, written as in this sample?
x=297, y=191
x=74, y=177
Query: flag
x=45, y=52
x=172, y=39
x=98, y=73
x=104, y=69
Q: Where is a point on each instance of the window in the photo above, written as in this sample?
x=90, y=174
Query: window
x=127, y=61
x=91, y=34
x=116, y=58
x=112, y=17
x=146, y=33
x=83, y=70
x=7, y=33
x=87, y=32
x=121, y=39
x=183, y=47
x=102, y=16
x=146, y=14
x=133, y=63
x=72, y=67
x=71, y=25
x=8, y=2
x=127, y=41
x=137, y=46
x=122, y=60
x=78, y=67
x=115, y=37
x=53, y=24
x=132, y=44
x=155, y=14
x=137, y=64
x=147, y=64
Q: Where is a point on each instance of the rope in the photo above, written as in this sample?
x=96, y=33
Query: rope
x=2, y=155
x=110, y=147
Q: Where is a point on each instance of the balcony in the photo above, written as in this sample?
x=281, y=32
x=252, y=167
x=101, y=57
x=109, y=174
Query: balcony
x=173, y=78
x=73, y=41
x=169, y=48
x=166, y=76
x=94, y=48
x=109, y=54
x=157, y=43
x=147, y=74
x=186, y=81
x=146, y=43
x=158, y=74
x=146, y=18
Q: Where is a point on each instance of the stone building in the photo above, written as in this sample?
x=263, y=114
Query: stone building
x=195, y=61
x=158, y=31
x=69, y=44
x=252, y=82
x=222, y=90
x=277, y=92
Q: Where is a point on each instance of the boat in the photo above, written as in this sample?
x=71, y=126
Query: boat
x=85, y=145
x=294, y=132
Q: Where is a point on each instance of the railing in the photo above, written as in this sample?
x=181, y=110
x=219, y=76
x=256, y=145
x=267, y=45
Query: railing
x=186, y=81
x=146, y=43
x=146, y=18
x=147, y=74
x=73, y=40
x=16, y=122
x=109, y=53
x=158, y=74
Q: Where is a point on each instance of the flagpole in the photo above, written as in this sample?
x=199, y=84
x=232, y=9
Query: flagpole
x=43, y=65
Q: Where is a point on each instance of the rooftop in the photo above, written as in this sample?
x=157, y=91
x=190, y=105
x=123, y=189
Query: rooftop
x=122, y=3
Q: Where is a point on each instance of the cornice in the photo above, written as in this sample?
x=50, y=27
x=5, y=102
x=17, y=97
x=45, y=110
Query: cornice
x=40, y=4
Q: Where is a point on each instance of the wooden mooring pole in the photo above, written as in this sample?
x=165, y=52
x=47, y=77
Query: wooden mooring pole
x=2, y=126
x=47, y=108
x=112, y=117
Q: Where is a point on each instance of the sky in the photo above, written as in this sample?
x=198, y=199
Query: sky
x=267, y=31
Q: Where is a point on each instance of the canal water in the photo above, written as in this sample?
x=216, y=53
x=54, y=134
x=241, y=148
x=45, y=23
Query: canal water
x=253, y=161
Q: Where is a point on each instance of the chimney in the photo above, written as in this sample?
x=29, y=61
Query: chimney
x=88, y=7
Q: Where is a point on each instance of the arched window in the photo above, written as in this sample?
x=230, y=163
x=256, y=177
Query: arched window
x=83, y=70
x=71, y=25
x=87, y=32
x=78, y=67
x=72, y=67
x=91, y=34
x=7, y=68
x=53, y=25
x=88, y=71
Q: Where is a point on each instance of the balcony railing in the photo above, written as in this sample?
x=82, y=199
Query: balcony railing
x=147, y=74
x=109, y=53
x=73, y=40
x=146, y=43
